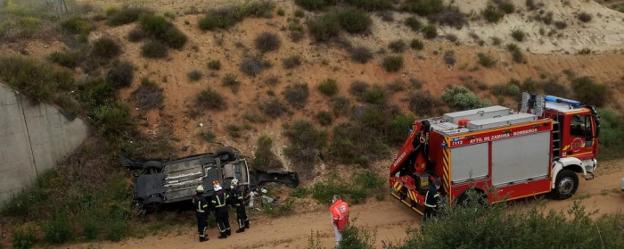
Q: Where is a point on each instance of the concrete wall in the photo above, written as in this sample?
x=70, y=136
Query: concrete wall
x=33, y=138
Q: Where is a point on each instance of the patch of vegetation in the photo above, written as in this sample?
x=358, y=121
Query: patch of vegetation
x=272, y=108
x=511, y=89
x=232, y=82
x=485, y=60
x=354, y=21
x=413, y=23
x=325, y=118
x=267, y=42
x=77, y=25
x=315, y=4
x=340, y=105
x=125, y=15
x=234, y=131
x=397, y=46
x=360, y=54
x=24, y=237
x=516, y=53
x=297, y=94
x=105, y=48
x=325, y=27
x=225, y=18
x=584, y=17
x=506, y=6
x=492, y=14
x=417, y=44
x=162, y=30
x=67, y=59
x=214, y=65
x=422, y=103
x=354, y=237
x=328, y=87
x=449, y=17
x=423, y=7
x=460, y=98
x=358, y=88
x=136, y=35
x=148, y=95
x=611, y=134
x=208, y=136
x=264, y=158
x=57, y=230
x=518, y=35
x=291, y=62
x=114, y=121
x=371, y=5
x=194, y=75
x=305, y=144
x=39, y=81
x=375, y=95
x=211, y=100
x=363, y=185
x=392, y=63
x=251, y=66
x=589, y=92
x=120, y=75
x=430, y=31
x=154, y=50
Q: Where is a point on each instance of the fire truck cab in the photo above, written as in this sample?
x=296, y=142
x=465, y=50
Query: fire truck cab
x=501, y=154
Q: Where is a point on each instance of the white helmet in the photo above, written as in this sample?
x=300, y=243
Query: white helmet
x=217, y=187
x=264, y=191
x=234, y=182
x=200, y=189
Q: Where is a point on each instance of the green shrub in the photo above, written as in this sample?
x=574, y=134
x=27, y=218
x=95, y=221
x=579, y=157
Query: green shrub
x=611, y=134
x=430, y=31
x=154, y=50
x=208, y=136
x=234, y=131
x=315, y=4
x=214, y=65
x=328, y=87
x=272, y=108
x=584, y=17
x=371, y=5
x=264, y=158
x=67, y=59
x=589, y=92
x=113, y=121
x=449, y=17
x=125, y=16
x=511, y=89
x=492, y=14
x=160, y=29
x=305, y=143
x=340, y=105
x=297, y=94
x=363, y=185
x=267, y=41
x=360, y=54
x=77, y=25
x=325, y=118
x=357, y=238
x=413, y=23
x=291, y=62
x=324, y=28
x=105, y=48
x=422, y=103
x=57, y=230
x=397, y=46
x=251, y=66
x=516, y=53
x=194, y=75
x=358, y=88
x=518, y=35
x=417, y=44
x=24, y=237
x=39, y=81
x=459, y=97
x=485, y=60
x=353, y=20
x=120, y=75
x=392, y=63
x=355, y=143
x=399, y=128
x=506, y=6
x=423, y=7
x=136, y=35
x=375, y=95
x=225, y=18
x=210, y=99
x=232, y=82
x=95, y=93
x=148, y=95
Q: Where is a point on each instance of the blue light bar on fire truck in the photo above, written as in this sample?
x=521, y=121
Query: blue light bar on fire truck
x=573, y=103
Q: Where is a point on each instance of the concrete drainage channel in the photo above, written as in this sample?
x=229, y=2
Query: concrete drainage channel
x=33, y=138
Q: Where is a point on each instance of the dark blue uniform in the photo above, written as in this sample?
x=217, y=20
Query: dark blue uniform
x=237, y=200
x=432, y=199
x=201, y=213
x=219, y=204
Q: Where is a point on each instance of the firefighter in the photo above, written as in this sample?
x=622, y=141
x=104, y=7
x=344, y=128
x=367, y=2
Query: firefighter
x=340, y=217
x=201, y=212
x=219, y=204
x=432, y=199
x=237, y=200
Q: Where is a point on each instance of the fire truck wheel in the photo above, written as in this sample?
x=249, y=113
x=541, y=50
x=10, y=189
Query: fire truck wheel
x=565, y=185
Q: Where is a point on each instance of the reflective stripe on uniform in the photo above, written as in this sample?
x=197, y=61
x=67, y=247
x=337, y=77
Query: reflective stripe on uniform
x=218, y=202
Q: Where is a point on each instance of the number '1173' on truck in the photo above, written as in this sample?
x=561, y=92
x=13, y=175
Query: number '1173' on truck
x=498, y=153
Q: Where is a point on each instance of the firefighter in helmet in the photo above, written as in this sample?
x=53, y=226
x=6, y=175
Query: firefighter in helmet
x=201, y=212
x=219, y=203
x=432, y=199
x=237, y=200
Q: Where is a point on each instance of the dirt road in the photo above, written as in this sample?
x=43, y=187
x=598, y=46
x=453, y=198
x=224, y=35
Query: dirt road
x=388, y=219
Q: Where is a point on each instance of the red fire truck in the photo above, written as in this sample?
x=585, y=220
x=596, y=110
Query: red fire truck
x=500, y=154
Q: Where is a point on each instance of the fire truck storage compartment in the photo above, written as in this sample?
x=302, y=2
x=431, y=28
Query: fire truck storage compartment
x=520, y=158
x=481, y=113
x=469, y=162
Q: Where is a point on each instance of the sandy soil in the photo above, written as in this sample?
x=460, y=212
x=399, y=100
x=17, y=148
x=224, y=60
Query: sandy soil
x=388, y=219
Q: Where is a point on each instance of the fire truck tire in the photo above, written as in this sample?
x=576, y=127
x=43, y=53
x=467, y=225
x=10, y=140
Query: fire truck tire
x=565, y=185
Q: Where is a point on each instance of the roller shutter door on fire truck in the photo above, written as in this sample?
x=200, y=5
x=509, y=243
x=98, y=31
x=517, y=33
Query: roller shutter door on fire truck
x=520, y=158
x=469, y=162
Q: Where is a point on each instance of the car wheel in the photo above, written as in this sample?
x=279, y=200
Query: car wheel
x=226, y=154
x=566, y=184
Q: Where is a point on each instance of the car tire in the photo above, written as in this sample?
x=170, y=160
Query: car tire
x=153, y=167
x=566, y=184
x=226, y=154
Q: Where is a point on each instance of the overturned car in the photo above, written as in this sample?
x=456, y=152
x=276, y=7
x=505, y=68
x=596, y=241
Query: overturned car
x=160, y=182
